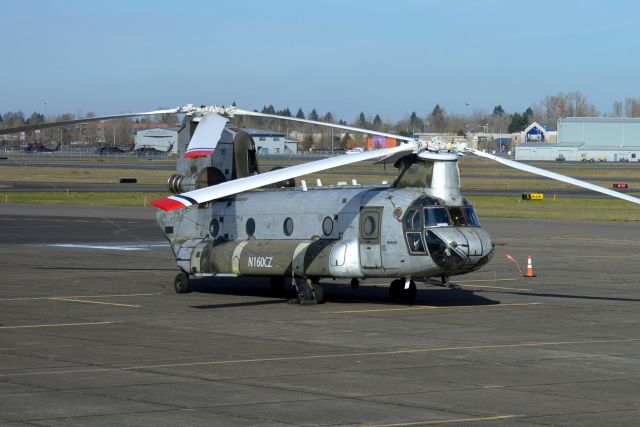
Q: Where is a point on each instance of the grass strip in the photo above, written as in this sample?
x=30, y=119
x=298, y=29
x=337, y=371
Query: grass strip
x=580, y=209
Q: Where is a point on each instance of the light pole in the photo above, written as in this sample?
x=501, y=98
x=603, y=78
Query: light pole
x=46, y=120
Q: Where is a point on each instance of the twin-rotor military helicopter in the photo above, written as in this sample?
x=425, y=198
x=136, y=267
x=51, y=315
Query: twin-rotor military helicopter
x=226, y=218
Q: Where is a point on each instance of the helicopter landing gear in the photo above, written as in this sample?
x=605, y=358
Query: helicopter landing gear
x=181, y=283
x=309, y=292
x=398, y=293
x=446, y=283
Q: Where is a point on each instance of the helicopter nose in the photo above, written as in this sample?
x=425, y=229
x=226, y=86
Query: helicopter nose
x=460, y=249
x=481, y=247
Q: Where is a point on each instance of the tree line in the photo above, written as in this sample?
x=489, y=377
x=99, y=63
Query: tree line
x=436, y=120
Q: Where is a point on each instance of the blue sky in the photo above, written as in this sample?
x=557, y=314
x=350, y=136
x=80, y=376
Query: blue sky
x=386, y=57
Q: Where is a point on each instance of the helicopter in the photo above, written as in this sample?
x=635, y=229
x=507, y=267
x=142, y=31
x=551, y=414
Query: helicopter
x=37, y=147
x=226, y=218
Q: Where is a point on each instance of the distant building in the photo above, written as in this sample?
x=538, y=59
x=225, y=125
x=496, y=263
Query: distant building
x=269, y=142
x=537, y=132
x=165, y=140
x=589, y=139
x=375, y=142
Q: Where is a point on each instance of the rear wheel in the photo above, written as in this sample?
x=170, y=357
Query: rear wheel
x=318, y=292
x=304, y=294
x=181, y=283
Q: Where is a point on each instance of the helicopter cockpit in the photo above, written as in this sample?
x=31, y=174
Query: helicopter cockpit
x=428, y=211
x=430, y=227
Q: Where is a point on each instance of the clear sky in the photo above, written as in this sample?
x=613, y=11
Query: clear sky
x=344, y=56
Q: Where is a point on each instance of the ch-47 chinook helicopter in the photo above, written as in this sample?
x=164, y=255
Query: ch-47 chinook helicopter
x=228, y=219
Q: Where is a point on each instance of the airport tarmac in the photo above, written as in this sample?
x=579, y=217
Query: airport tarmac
x=92, y=333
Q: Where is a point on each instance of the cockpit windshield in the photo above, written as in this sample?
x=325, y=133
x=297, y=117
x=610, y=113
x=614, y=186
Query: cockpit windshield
x=436, y=217
x=437, y=214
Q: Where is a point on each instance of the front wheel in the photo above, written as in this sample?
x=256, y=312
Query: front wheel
x=181, y=283
x=398, y=293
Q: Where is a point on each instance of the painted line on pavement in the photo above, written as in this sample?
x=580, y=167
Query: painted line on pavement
x=430, y=307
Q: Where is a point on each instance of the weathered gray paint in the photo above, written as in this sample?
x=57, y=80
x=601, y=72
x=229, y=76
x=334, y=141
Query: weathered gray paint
x=250, y=238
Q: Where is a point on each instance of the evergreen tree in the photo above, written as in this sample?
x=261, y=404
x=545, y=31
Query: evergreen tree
x=345, y=140
x=342, y=122
x=438, y=120
x=313, y=115
x=377, y=123
x=1, y=118
x=300, y=114
x=498, y=110
x=284, y=113
x=328, y=118
x=519, y=122
x=269, y=110
x=362, y=121
x=416, y=123
x=529, y=113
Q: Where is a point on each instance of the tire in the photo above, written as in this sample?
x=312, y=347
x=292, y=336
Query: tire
x=395, y=290
x=398, y=293
x=181, y=283
x=318, y=293
x=408, y=295
x=304, y=293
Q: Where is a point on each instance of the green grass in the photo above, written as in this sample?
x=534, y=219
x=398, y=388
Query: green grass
x=561, y=208
x=81, y=199
x=598, y=209
x=104, y=175
x=487, y=206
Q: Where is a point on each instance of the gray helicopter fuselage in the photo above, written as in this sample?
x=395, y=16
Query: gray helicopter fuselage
x=341, y=232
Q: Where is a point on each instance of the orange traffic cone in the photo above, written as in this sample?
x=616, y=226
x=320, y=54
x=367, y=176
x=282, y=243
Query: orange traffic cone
x=530, y=272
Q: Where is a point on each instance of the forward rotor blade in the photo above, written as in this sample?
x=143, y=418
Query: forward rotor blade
x=244, y=184
x=239, y=112
x=556, y=176
x=85, y=120
x=206, y=136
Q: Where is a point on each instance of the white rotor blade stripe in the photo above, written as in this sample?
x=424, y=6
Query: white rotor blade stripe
x=255, y=181
x=207, y=134
x=239, y=112
x=556, y=176
x=85, y=120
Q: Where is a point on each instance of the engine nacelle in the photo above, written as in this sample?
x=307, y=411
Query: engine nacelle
x=178, y=183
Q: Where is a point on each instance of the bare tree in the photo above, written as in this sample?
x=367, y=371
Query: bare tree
x=571, y=104
x=617, y=109
x=632, y=107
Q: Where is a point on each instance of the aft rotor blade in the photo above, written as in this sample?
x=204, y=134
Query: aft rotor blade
x=238, y=112
x=85, y=120
x=206, y=136
x=556, y=176
x=255, y=181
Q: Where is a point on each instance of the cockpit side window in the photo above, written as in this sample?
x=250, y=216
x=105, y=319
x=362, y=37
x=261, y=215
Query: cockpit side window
x=472, y=217
x=412, y=220
x=416, y=245
x=436, y=217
